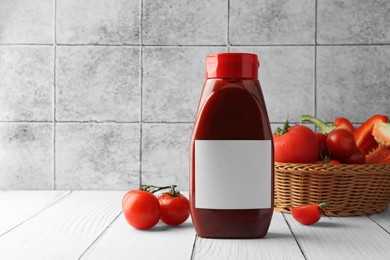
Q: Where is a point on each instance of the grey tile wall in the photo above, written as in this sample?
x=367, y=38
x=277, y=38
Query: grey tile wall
x=98, y=22
x=102, y=94
x=99, y=83
x=26, y=83
x=172, y=81
x=184, y=22
x=26, y=151
x=97, y=156
x=278, y=22
x=27, y=21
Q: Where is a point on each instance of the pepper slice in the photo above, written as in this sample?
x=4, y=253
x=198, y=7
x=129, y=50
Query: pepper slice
x=379, y=155
x=364, y=134
x=381, y=133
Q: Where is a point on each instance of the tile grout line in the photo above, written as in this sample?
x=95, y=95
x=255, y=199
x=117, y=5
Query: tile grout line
x=54, y=92
x=141, y=63
x=198, y=45
x=315, y=57
x=124, y=122
x=228, y=27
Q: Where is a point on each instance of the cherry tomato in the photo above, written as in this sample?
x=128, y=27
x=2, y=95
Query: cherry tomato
x=328, y=162
x=341, y=143
x=342, y=147
x=356, y=158
x=174, y=209
x=308, y=214
x=141, y=209
x=297, y=144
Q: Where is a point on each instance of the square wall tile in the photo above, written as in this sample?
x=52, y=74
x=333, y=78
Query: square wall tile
x=98, y=83
x=165, y=154
x=26, y=156
x=27, y=21
x=353, y=82
x=353, y=21
x=173, y=79
x=97, y=156
x=26, y=83
x=286, y=75
x=184, y=22
x=98, y=22
x=272, y=22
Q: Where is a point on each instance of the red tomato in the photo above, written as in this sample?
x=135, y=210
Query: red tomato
x=328, y=162
x=341, y=143
x=174, y=209
x=342, y=146
x=357, y=158
x=324, y=151
x=141, y=209
x=297, y=144
x=308, y=214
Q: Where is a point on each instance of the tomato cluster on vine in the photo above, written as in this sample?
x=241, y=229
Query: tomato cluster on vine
x=143, y=210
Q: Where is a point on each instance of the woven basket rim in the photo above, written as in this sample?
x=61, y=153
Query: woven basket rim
x=383, y=168
x=356, y=189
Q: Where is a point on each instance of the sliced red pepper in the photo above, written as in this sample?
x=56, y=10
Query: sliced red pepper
x=379, y=155
x=381, y=133
x=363, y=135
x=324, y=128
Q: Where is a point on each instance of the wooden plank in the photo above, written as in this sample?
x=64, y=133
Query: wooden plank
x=383, y=219
x=279, y=243
x=342, y=238
x=121, y=241
x=18, y=206
x=65, y=230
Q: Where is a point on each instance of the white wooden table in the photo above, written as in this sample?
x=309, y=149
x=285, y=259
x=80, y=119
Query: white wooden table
x=90, y=225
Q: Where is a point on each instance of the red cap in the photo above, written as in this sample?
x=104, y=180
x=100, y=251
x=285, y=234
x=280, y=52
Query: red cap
x=232, y=65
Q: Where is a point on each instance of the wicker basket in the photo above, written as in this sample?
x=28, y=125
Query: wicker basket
x=349, y=189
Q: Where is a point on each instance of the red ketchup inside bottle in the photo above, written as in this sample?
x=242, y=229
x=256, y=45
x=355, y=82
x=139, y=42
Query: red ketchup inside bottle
x=231, y=171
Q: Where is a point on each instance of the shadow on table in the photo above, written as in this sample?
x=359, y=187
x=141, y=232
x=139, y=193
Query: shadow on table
x=331, y=224
x=272, y=235
x=162, y=227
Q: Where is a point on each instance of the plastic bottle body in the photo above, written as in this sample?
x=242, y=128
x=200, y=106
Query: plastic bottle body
x=232, y=109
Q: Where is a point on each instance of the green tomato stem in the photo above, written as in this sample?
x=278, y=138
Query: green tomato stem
x=154, y=189
x=280, y=131
x=322, y=126
x=323, y=205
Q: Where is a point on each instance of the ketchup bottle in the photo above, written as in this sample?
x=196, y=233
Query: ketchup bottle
x=231, y=171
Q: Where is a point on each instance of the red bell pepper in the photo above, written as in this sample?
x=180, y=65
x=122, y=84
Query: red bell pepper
x=364, y=134
x=379, y=155
x=344, y=123
x=381, y=133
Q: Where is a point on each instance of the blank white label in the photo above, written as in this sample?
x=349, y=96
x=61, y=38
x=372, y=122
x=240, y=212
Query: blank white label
x=233, y=174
